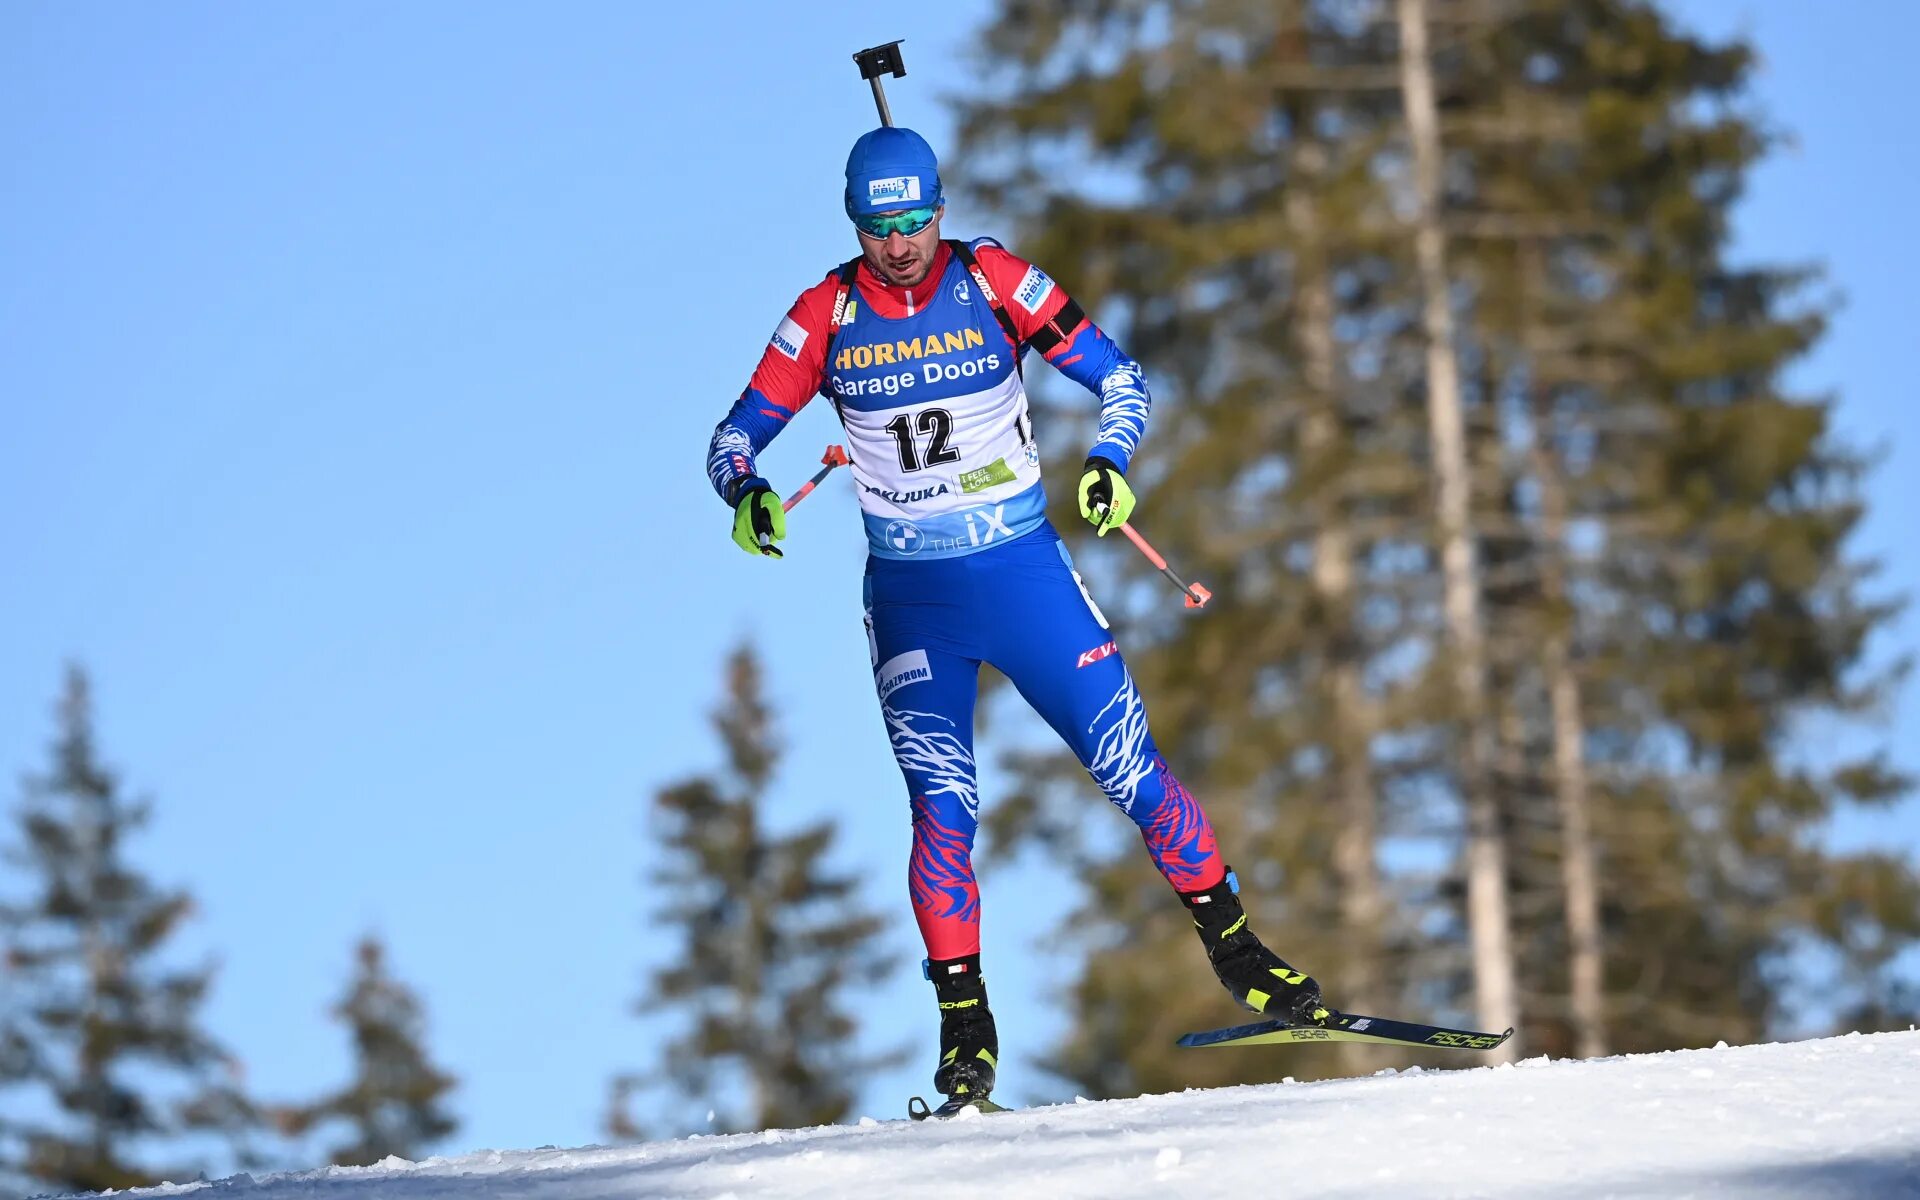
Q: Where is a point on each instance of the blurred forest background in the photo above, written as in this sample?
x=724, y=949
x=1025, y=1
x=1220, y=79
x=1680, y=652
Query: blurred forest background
x=1534, y=614
x=1527, y=569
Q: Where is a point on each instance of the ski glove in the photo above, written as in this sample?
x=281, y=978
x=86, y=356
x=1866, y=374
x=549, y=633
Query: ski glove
x=758, y=514
x=1105, y=498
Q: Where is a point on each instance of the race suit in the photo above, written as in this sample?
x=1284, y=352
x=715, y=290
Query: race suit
x=963, y=566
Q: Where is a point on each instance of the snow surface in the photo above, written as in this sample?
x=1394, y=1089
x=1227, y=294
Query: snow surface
x=1833, y=1118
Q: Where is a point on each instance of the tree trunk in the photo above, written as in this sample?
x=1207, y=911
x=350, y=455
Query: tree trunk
x=1355, y=861
x=1578, y=875
x=1486, y=852
x=750, y=951
x=1577, y=871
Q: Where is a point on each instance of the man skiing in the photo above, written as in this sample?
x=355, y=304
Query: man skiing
x=918, y=344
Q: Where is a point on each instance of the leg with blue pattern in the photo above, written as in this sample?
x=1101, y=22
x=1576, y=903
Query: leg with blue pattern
x=927, y=703
x=1061, y=657
x=927, y=698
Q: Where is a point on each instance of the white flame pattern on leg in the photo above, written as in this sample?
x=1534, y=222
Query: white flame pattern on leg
x=1120, y=763
x=937, y=756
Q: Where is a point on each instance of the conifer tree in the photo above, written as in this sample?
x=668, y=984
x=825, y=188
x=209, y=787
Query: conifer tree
x=1609, y=314
x=770, y=943
x=396, y=1104
x=1246, y=260
x=1733, y=547
x=107, y=1077
x=1661, y=524
x=1485, y=852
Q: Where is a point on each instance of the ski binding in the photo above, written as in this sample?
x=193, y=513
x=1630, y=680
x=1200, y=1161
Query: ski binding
x=918, y=1110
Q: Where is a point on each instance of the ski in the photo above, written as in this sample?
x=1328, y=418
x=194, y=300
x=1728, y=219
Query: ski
x=918, y=1110
x=1348, y=1027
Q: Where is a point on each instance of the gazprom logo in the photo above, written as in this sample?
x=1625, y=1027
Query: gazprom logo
x=901, y=670
x=900, y=187
x=789, y=338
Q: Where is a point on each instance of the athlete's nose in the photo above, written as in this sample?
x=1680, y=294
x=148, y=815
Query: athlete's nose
x=897, y=244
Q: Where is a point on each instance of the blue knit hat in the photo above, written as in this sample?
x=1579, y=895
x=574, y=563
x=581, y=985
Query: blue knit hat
x=891, y=168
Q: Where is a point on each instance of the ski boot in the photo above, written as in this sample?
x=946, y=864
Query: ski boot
x=1259, y=979
x=969, y=1046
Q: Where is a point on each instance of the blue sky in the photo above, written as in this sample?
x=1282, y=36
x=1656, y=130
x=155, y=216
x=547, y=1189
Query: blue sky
x=357, y=362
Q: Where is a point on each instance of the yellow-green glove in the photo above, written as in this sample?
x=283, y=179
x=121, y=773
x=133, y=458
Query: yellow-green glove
x=1105, y=498
x=759, y=522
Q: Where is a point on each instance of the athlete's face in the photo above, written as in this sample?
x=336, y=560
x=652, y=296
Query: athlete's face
x=899, y=259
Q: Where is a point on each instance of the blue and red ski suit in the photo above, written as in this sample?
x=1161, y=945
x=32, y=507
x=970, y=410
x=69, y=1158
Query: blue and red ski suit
x=963, y=566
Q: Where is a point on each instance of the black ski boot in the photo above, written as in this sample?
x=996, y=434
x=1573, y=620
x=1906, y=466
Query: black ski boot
x=1258, y=978
x=969, y=1047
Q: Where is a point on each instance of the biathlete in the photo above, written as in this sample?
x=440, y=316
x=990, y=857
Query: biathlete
x=918, y=345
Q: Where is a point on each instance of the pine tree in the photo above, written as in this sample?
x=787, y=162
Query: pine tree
x=1660, y=525
x=395, y=1106
x=770, y=940
x=1245, y=261
x=1599, y=153
x=110, y=1080
x=1549, y=348
x=1734, y=551
x=1485, y=852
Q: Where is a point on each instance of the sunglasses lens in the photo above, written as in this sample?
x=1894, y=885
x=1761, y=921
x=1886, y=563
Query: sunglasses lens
x=906, y=224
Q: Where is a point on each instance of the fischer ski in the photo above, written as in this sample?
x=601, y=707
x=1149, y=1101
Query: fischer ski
x=1348, y=1027
x=918, y=1110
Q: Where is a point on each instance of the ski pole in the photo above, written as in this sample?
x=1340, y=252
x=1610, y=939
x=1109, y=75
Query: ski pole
x=1196, y=593
x=836, y=456
x=876, y=61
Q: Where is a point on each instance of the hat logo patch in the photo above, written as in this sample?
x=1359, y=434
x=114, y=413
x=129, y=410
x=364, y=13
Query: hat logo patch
x=899, y=187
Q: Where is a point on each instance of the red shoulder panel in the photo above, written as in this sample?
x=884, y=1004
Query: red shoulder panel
x=1032, y=296
x=793, y=366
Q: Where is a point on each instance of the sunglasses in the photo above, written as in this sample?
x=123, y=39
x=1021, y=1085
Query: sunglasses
x=908, y=223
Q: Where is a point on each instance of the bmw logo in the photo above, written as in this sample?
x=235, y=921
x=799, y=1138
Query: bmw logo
x=961, y=292
x=904, y=536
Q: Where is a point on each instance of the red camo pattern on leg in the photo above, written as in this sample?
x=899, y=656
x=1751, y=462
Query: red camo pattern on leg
x=946, y=896
x=1180, y=838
